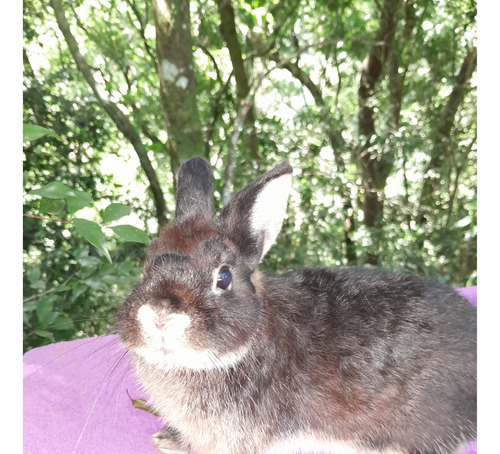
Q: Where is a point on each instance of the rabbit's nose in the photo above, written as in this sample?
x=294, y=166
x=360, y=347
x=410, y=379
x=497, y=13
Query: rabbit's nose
x=172, y=322
x=157, y=324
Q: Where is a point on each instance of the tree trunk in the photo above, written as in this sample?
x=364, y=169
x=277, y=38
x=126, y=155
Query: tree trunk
x=228, y=32
x=337, y=144
x=40, y=111
x=116, y=115
x=375, y=166
x=174, y=46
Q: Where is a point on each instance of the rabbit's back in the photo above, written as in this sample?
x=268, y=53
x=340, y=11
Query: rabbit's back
x=384, y=358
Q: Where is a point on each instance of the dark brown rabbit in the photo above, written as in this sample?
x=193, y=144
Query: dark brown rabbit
x=315, y=360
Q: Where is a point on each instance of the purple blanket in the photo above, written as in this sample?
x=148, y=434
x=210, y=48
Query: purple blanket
x=76, y=399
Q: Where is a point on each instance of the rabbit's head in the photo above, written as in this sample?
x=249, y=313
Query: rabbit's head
x=200, y=298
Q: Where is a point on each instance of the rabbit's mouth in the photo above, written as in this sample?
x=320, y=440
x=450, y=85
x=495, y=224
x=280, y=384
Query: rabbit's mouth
x=187, y=358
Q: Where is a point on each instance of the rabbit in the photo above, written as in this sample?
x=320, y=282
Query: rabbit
x=236, y=360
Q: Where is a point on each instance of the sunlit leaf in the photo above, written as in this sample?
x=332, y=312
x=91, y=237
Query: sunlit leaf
x=78, y=200
x=93, y=234
x=115, y=211
x=34, y=132
x=54, y=190
x=131, y=233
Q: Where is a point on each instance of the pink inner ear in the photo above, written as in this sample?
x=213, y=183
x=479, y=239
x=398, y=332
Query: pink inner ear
x=269, y=210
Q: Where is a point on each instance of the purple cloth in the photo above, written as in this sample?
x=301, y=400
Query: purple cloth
x=470, y=293
x=76, y=399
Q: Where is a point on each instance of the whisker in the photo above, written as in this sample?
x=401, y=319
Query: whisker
x=80, y=345
x=115, y=340
x=105, y=381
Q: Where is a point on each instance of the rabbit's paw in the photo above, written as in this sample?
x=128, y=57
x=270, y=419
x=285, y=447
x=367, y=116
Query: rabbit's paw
x=169, y=441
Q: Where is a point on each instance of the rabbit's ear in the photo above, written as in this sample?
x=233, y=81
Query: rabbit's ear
x=253, y=217
x=194, y=191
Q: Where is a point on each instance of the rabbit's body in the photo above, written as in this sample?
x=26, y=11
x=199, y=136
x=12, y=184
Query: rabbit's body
x=353, y=361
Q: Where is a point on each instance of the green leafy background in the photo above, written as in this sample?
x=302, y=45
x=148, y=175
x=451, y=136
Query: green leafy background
x=89, y=213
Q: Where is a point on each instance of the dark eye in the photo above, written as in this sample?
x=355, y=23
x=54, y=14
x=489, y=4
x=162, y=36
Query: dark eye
x=224, y=278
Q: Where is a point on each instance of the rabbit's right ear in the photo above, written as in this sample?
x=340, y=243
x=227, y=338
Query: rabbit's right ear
x=194, y=191
x=253, y=217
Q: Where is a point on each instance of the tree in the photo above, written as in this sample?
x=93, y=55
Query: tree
x=375, y=162
x=372, y=102
x=121, y=121
x=177, y=80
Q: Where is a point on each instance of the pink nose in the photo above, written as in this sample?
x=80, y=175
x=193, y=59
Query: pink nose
x=162, y=323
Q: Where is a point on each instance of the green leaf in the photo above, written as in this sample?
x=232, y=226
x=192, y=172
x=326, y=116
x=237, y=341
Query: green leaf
x=78, y=200
x=78, y=291
x=96, y=283
x=115, y=211
x=131, y=233
x=52, y=206
x=45, y=311
x=29, y=306
x=45, y=334
x=93, y=234
x=33, y=274
x=89, y=261
x=62, y=322
x=109, y=279
x=54, y=190
x=157, y=146
x=34, y=132
x=75, y=199
x=38, y=285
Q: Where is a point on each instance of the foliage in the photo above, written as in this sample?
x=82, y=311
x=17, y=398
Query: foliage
x=302, y=62
x=51, y=314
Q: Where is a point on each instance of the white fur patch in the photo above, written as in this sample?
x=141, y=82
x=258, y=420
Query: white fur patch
x=269, y=209
x=160, y=327
x=166, y=346
x=305, y=443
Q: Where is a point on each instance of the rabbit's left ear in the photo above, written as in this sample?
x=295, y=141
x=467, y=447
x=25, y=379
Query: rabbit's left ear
x=194, y=191
x=253, y=217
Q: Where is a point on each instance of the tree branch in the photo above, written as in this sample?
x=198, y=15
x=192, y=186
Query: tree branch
x=228, y=32
x=276, y=31
x=45, y=219
x=216, y=114
x=336, y=142
x=458, y=172
x=142, y=30
x=374, y=168
x=443, y=130
x=120, y=120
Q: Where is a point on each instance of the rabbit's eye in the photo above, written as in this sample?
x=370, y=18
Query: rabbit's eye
x=224, y=278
